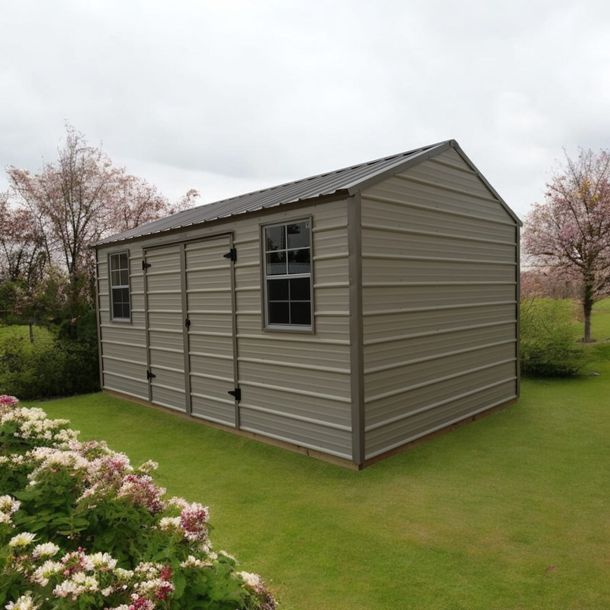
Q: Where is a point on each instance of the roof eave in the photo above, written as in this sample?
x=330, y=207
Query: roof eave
x=331, y=196
x=403, y=164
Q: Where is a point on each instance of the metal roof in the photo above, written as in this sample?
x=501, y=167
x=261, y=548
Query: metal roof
x=329, y=183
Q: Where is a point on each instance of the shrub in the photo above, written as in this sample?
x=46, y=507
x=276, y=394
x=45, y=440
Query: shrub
x=80, y=527
x=549, y=345
x=65, y=365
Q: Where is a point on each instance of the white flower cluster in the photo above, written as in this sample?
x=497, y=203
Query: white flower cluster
x=8, y=507
x=101, y=473
x=33, y=424
x=25, y=602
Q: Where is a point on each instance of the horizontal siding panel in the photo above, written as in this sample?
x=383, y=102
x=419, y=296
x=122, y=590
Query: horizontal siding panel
x=312, y=407
x=173, y=359
x=411, y=428
x=422, y=397
x=129, y=352
x=401, y=270
x=394, y=380
x=208, y=320
x=213, y=363
x=211, y=408
x=321, y=438
x=169, y=397
x=168, y=319
x=387, y=298
x=387, y=238
x=166, y=339
x=213, y=342
x=392, y=353
x=124, y=333
x=281, y=346
x=383, y=211
x=136, y=370
x=133, y=387
x=449, y=177
x=398, y=324
x=295, y=377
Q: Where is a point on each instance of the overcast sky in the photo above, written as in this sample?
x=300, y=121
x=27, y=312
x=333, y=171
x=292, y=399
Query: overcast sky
x=230, y=96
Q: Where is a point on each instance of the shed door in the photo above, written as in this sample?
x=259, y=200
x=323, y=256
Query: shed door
x=165, y=324
x=211, y=329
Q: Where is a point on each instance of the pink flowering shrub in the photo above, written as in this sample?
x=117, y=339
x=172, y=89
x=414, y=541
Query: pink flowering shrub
x=80, y=527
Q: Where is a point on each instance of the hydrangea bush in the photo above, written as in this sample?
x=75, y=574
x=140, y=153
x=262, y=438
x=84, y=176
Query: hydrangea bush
x=80, y=527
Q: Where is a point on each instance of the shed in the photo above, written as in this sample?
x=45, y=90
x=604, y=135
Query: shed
x=344, y=315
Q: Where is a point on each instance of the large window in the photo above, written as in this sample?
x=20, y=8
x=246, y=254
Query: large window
x=119, y=286
x=288, y=274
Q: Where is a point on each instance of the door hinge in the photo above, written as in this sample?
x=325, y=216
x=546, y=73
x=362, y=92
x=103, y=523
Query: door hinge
x=236, y=393
x=187, y=323
x=150, y=375
x=231, y=254
x=145, y=265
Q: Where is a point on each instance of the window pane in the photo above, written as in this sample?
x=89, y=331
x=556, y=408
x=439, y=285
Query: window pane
x=276, y=263
x=278, y=313
x=298, y=235
x=115, y=277
x=299, y=289
x=114, y=262
x=124, y=277
x=117, y=310
x=275, y=238
x=298, y=261
x=300, y=313
x=277, y=290
x=123, y=262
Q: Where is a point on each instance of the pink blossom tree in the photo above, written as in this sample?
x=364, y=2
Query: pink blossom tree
x=570, y=231
x=81, y=197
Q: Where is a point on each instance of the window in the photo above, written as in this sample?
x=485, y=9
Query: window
x=119, y=286
x=288, y=274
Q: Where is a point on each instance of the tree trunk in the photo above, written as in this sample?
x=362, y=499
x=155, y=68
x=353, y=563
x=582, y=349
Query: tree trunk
x=31, y=330
x=587, y=306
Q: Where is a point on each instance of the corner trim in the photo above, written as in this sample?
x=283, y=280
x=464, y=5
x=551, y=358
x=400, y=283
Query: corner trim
x=354, y=230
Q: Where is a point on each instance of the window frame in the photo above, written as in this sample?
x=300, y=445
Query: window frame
x=292, y=328
x=110, y=288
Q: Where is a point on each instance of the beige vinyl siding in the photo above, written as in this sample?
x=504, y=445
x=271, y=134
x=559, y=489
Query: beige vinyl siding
x=123, y=344
x=295, y=385
x=439, y=282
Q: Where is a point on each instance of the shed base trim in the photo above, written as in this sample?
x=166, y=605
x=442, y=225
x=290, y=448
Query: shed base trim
x=294, y=447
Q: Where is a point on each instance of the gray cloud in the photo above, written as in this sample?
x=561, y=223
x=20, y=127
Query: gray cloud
x=230, y=96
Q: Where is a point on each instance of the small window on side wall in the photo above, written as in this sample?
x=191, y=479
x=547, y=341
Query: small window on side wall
x=119, y=286
x=287, y=264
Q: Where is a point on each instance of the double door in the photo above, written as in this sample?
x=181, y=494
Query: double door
x=190, y=328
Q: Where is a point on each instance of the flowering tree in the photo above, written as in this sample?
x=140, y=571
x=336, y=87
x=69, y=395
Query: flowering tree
x=22, y=245
x=570, y=231
x=81, y=197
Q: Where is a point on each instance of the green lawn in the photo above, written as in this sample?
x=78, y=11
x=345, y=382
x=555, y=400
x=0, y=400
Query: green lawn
x=509, y=512
x=21, y=331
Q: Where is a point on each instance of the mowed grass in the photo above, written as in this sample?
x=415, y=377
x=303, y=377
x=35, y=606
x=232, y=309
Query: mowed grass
x=509, y=512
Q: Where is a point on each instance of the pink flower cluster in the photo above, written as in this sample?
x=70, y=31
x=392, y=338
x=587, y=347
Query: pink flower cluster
x=101, y=473
x=8, y=401
x=142, y=491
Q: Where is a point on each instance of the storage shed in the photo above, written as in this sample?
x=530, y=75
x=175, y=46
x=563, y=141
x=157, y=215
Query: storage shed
x=345, y=314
